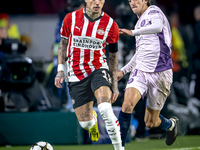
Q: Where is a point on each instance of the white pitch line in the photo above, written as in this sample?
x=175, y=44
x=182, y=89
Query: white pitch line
x=188, y=148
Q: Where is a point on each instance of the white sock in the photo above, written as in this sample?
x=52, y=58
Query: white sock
x=118, y=146
x=112, y=124
x=123, y=148
x=173, y=124
x=88, y=124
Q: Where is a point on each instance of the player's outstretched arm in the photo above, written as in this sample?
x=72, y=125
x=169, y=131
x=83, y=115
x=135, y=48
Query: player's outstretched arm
x=62, y=49
x=156, y=26
x=125, y=32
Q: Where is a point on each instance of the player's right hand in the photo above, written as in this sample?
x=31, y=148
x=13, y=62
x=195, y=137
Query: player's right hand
x=120, y=74
x=59, y=79
x=125, y=32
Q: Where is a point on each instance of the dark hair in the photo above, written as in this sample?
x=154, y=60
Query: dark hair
x=150, y=2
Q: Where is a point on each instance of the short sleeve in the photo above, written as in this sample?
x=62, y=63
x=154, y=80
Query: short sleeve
x=66, y=26
x=113, y=35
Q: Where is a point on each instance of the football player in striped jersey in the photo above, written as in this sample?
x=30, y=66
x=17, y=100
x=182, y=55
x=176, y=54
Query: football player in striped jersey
x=82, y=61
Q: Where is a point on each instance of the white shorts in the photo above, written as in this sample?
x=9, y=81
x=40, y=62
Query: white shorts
x=155, y=85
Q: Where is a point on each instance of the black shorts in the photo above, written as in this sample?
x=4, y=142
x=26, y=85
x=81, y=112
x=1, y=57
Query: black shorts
x=82, y=91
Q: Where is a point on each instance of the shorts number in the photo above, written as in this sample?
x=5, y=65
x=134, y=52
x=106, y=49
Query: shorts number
x=106, y=76
x=134, y=73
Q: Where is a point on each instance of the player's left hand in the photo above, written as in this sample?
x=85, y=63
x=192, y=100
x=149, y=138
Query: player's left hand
x=125, y=32
x=114, y=96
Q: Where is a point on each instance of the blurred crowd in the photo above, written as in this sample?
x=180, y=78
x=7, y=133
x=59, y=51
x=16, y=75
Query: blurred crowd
x=28, y=92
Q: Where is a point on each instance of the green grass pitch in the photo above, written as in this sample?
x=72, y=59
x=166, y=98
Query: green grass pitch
x=181, y=143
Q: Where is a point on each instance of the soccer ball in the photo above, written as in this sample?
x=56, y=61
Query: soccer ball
x=41, y=146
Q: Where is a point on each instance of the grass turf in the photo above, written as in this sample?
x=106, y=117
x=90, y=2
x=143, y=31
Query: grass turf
x=181, y=143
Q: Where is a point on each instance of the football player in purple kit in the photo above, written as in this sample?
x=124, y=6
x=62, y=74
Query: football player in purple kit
x=151, y=70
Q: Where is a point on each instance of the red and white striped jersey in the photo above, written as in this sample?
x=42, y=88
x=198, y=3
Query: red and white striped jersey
x=86, y=47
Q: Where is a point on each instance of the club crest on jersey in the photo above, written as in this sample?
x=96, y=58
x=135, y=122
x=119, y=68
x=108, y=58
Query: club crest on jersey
x=142, y=23
x=100, y=32
x=145, y=22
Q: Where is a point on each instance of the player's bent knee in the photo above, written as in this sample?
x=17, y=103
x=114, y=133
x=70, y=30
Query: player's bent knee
x=127, y=107
x=129, y=103
x=103, y=99
x=86, y=124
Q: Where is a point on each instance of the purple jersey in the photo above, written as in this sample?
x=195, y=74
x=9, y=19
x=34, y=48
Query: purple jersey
x=153, y=50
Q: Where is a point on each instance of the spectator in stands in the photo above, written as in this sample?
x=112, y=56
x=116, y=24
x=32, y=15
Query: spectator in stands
x=179, y=56
x=3, y=34
x=13, y=32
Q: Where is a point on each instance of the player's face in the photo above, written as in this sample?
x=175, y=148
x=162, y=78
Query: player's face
x=95, y=5
x=138, y=6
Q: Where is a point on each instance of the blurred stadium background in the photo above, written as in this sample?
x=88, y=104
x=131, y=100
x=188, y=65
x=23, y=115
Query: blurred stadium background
x=32, y=109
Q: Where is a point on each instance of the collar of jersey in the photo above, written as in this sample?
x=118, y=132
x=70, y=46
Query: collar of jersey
x=94, y=19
